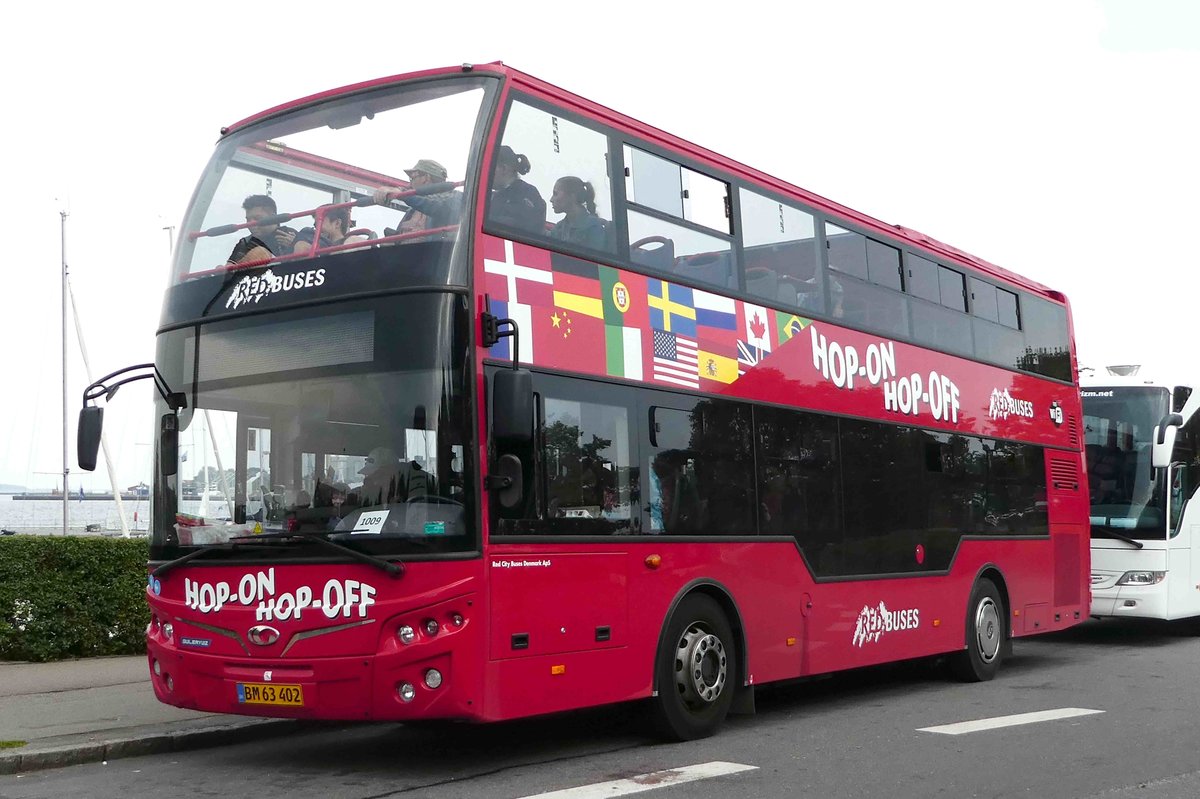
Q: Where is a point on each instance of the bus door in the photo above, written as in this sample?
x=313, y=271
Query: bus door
x=563, y=584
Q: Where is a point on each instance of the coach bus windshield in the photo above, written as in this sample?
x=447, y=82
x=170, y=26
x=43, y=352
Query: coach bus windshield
x=384, y=169
x=347, y=422
x=1119, y=425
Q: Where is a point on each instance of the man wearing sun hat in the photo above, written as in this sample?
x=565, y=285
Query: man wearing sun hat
x=435, y=209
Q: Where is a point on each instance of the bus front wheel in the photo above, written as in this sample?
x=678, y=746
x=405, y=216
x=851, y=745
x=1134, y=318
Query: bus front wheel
x=696, y=671
x=986, y=634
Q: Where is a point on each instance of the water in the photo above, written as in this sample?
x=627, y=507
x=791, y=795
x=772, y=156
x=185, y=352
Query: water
x=44, y=516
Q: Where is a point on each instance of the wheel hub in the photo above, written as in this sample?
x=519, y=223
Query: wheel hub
x=987, y=629
x=701, y=667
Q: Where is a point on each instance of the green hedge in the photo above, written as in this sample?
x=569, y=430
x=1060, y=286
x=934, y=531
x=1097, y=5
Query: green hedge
x=68, y=597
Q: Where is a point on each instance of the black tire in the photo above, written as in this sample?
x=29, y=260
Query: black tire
x=695, y=671
x=987, y=635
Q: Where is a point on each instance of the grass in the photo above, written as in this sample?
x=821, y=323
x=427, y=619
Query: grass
x=11, y=744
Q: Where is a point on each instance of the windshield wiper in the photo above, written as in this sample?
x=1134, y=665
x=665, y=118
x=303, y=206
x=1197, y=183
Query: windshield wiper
x=1114, y=534
x=171, y=564
x=394, y=569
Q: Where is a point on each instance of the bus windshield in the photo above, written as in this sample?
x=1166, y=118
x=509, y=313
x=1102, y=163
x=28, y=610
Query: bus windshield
x=306, y=184
x=1119, y=426
x=346, y=421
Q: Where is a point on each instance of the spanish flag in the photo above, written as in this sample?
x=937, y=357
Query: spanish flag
x=711, y=366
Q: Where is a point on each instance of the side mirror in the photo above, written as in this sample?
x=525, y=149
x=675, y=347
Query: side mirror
x=506, y=479
x=512, y=409
x=1164, y=440
x=168, y=444
x=87, y=441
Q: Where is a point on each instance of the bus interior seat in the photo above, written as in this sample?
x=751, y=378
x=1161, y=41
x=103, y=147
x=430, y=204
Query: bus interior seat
x=713, y=268
x=786, y=293
x=643, y=253
x=762, y=282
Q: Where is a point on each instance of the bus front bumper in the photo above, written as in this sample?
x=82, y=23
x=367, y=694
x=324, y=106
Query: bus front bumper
x=392, y=686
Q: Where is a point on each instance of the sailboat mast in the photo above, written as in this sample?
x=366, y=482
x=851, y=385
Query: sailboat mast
x=66, y=468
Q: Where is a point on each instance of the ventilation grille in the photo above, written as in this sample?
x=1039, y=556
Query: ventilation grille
x=1064, y=474
x=1073, y=431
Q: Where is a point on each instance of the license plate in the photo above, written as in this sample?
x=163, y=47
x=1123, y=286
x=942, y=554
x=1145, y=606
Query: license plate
x=266, y=693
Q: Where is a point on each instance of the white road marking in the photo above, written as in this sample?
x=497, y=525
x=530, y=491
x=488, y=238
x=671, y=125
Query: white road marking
x=646, y=782
x=1010, y=721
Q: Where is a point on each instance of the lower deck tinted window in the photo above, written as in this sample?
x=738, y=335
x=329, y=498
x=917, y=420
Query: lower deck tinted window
x=799, y=476
x=860, y=497
x=701, y=470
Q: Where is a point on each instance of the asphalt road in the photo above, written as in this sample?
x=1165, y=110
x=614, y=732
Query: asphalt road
x=859, y=734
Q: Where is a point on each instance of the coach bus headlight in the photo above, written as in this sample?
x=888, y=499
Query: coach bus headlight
x=407, y=692
x=1142, y=578
x=433, y=678
x=406, y=634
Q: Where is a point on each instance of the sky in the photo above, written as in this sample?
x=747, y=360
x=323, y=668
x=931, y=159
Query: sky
x=1058, y=140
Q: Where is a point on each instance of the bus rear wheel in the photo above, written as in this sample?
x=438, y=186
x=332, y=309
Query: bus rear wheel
x=986, y=635
x=696, y=671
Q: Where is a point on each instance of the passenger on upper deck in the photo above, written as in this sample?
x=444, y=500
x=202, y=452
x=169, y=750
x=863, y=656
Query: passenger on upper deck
x=515, y=202
x=333, y=230
x=428, y=210
x=576, y=198
x=264, y=241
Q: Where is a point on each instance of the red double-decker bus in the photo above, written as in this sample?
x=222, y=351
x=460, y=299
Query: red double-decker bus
x=478, y=400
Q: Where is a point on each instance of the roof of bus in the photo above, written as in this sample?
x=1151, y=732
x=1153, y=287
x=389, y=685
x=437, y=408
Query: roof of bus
x=913, y=237
x=1143, y=379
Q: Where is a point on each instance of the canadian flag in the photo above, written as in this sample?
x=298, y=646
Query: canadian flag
x=758, y=326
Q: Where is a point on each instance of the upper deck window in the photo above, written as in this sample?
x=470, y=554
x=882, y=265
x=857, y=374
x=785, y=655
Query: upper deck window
x=864, y=258
x=780, y=252
x=371, y=169
x=550, y=178
x=666, y=186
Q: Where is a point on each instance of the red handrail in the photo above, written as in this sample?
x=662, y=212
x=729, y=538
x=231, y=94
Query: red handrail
x=399, y=237
x=279, y=219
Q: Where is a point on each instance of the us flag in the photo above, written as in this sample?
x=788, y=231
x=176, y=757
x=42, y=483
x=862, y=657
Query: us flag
x=675, y=360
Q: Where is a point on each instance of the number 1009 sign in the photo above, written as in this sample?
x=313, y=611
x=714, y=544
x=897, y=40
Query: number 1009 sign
x=371, y=522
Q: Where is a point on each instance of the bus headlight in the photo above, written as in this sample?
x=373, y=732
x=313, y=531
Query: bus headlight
x=433, y=678
x=406, y=634
x=406, y=692
x=1142, y=578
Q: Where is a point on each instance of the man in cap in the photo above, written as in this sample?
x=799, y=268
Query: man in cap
x=382, y=481
x=439, y=206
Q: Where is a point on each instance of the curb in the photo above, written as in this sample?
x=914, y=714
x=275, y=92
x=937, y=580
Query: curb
x=135, y=745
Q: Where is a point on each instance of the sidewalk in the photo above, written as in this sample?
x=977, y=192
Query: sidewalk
x=83, y=711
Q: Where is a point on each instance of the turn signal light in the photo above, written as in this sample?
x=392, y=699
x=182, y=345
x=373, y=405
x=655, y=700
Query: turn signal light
x=653, y=561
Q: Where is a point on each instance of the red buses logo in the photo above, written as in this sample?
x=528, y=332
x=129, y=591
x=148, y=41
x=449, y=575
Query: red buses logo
x=873, y=622
x=253, y=288
x=1004, y=404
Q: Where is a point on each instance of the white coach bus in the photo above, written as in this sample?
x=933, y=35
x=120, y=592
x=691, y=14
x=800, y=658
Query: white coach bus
x=1142, y=438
